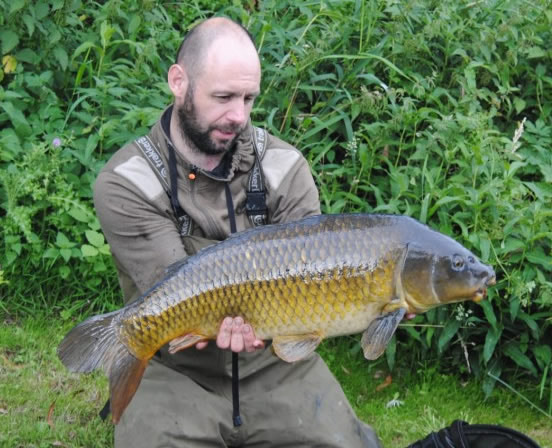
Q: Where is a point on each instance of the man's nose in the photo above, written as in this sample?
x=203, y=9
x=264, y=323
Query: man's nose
x=237, y=112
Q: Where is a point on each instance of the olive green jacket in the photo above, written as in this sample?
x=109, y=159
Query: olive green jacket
x=138, y=222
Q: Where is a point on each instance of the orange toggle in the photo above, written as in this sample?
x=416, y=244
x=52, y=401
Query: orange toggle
x=191, y=176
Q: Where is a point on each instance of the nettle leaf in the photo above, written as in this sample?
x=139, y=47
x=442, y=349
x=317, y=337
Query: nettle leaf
x=66, y=254
x=511, y=245
x=29, y=23
x=513, y=351
x=9, y=40
x=490, y=380
x=546, y=171
x=64, y=271
x=61, y=56
x=63, y=242
x=485, y=248
x=134, y=23
x=41, y=9
x=95, y=238
x=489, y=312
x=493, y=336
x=16, y=5
x=57, y=4
x=51, y=252
x=542, y=190
x=89, y=251
x=543, y=354
x=449, y=331
x=82, y=48
x=519, y=104
x=538, y=256
x=17, y=118
x=79, y=214
x=536, y=52
x=27, y=55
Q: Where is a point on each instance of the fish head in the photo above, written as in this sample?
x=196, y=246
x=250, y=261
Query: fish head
x=442, y=271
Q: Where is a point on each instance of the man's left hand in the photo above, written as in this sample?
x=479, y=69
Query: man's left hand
x=236, y=335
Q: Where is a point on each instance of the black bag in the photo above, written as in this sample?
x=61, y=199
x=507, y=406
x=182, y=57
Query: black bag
x=463, y=435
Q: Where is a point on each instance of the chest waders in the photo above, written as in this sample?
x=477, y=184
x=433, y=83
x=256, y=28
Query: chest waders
x=255, y=207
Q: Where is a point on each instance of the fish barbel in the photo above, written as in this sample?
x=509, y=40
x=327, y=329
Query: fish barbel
x=295, y=283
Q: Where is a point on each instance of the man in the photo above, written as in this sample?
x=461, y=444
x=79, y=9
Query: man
x=206, y=141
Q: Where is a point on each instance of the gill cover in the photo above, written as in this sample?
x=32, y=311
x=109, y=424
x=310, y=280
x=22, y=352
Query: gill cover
x=417, y=279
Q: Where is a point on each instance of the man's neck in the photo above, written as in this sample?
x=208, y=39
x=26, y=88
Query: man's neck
x=203, y=161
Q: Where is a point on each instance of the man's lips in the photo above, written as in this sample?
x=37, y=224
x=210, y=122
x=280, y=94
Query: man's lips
x=222, y=134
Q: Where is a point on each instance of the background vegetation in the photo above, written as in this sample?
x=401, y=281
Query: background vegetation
x=438, y=110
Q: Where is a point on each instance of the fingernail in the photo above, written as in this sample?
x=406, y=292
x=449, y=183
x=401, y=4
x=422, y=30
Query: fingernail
x=246, y=329
x=228, y=321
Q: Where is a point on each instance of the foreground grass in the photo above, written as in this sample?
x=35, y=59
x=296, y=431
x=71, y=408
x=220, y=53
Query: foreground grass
x=43, y=405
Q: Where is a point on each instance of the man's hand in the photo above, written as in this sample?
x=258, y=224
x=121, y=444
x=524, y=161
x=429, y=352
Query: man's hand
x=236, y=335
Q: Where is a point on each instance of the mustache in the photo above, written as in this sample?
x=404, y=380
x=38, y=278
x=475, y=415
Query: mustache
x=234, y=128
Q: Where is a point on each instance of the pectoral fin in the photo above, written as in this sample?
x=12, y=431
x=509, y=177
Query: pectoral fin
x=379, y=332
x=184, y=342
x=297, y=347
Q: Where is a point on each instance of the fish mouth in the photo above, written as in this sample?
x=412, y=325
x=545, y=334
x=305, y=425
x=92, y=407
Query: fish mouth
x=481, y=293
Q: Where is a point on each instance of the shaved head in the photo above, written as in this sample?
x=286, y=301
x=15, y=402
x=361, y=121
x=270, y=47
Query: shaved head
x=195, y=46
x=215, y=80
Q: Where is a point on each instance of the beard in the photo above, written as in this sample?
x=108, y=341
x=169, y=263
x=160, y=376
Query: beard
x=199, y=138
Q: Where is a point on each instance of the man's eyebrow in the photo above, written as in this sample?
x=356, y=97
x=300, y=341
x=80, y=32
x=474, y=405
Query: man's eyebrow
x=234, y=93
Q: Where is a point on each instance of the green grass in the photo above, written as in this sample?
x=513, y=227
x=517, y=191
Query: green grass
x=430, y=400
x=43, y=405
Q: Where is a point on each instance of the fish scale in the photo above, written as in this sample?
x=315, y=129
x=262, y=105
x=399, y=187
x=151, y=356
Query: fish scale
x=295, y=283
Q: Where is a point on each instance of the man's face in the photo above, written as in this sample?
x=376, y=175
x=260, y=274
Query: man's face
x=217, y=104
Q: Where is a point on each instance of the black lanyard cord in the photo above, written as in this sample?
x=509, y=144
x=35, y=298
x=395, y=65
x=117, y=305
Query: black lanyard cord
x=236, y=418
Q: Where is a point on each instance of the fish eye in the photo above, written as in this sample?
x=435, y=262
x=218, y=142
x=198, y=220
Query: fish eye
x=457, y=262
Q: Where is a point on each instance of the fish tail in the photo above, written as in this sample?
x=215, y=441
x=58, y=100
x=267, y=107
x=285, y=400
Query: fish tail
x=95, y=343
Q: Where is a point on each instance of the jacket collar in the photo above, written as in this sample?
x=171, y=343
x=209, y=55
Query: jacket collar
x=241, y=159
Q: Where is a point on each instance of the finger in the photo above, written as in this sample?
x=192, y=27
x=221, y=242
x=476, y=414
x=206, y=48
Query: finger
x=410, y=316
x=236, y=339
x=202, y=345
x=248, y=338
x=225, y=333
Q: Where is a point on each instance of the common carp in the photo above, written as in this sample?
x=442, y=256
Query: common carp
x=295, y=283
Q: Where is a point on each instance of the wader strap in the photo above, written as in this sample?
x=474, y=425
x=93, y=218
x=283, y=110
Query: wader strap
x=236, y=418
x=255, y=205
x=183, y=219
x=151, y=154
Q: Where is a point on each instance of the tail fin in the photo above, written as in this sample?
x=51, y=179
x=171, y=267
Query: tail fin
x=95, y=343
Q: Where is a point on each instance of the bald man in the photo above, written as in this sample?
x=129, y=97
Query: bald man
x=188, y=184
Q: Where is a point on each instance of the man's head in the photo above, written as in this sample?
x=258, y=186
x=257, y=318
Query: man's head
x=215, y=80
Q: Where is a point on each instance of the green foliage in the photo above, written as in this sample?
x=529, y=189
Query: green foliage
x=438, y=110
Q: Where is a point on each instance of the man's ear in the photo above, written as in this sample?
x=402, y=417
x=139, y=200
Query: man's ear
x=178, y=80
